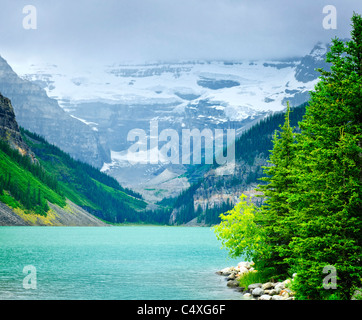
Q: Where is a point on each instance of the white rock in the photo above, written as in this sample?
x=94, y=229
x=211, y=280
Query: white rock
x=257, y=292
x=265, y=297
x=233, y=283
x=226, y=271
x=356, y=293
x=254, y=285
x=279, y=286
x=267, y=285
x=245, y=264
x=247, y=295
x=273, y=292
x=277, y=297
x=232, y=276
x=243, y=270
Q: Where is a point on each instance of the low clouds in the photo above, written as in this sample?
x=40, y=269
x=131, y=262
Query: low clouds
x=144, y=30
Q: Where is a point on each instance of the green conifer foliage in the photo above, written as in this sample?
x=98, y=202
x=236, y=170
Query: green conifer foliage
x=327, y=207
x=275, y=218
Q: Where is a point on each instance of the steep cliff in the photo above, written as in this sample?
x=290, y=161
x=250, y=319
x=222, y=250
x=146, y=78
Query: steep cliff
x=9, y=129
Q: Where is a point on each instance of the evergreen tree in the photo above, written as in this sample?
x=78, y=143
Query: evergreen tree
x=275, y=219
x=327, y=206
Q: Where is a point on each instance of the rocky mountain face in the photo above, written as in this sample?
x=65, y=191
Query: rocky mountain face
x=307, y=70
x=9, y=129
x=38, y=113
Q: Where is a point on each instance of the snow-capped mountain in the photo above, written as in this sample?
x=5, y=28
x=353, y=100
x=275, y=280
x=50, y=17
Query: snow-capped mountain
x=115, y=99
x=237, y=87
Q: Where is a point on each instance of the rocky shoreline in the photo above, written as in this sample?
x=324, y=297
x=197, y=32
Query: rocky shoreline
x=257, y=291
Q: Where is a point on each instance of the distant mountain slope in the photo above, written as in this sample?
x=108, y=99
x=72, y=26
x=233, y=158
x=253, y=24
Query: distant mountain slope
x=28, y=194
x=45, y=186
x=213, y=193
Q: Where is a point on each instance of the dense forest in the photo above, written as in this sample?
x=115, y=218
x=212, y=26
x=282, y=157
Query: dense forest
x=30, y=196
x=54, y=176
x=311, y=218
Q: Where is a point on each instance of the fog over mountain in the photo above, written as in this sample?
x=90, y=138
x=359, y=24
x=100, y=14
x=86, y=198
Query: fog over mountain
x=90, y=31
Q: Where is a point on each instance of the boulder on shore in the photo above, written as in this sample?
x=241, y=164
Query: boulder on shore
x=254, y=286
x=267, y=285
x=257, y=292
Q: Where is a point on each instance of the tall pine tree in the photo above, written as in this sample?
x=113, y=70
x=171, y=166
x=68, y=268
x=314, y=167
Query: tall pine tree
x=327, y=206
x=275, y=218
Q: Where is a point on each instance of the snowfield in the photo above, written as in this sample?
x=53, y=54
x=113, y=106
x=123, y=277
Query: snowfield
x=235, y=87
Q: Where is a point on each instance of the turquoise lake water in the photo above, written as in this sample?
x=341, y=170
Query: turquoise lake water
x=114, y=263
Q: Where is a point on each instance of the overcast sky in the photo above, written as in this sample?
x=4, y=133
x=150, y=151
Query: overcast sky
x=106, y=31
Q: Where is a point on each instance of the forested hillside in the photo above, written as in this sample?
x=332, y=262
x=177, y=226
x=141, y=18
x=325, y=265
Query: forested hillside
x=26, y=184
x=85, y=185
x=35, y=174
x=252, y=150
x=55, y=177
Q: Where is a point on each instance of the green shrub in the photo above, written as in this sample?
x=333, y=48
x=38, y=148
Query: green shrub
x=249, y=278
